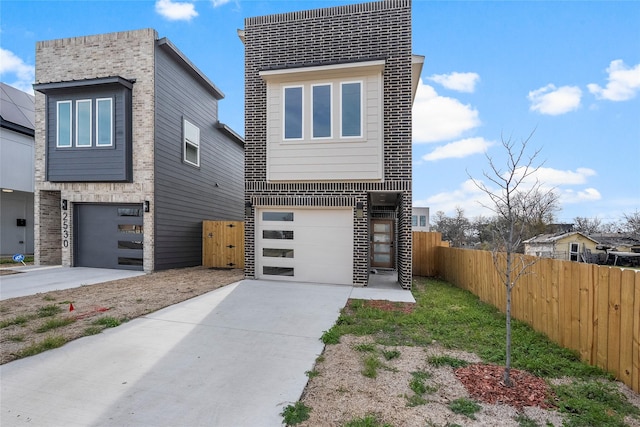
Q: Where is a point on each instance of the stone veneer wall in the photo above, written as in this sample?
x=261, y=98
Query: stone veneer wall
x=361, y=32
x=130, y=55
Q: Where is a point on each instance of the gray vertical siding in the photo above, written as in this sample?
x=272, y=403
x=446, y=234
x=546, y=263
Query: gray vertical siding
x=186, y=195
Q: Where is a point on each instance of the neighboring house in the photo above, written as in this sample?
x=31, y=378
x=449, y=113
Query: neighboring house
x=130, y=156
x=420, y=219
x=623, y=242
x=328, y=97
x=17, y=123
x=572, y=246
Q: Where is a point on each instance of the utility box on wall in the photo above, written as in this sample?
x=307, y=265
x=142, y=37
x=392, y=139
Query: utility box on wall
x=21, y=222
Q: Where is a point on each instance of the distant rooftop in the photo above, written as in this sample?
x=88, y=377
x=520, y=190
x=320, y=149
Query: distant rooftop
x=17, y=110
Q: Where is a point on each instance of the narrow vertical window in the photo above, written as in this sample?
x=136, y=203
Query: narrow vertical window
x=83, y=123
x=191, y=143
x=104, y=122
x=321, y=111
x=64, y=124
x=293, y=112
x=351, y=106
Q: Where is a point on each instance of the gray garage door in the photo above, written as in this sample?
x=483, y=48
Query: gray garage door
x=109, y=236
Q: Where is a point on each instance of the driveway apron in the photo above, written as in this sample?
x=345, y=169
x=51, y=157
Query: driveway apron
x=233, y=357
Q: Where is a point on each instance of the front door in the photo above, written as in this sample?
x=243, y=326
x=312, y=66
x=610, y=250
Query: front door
x=382, y=248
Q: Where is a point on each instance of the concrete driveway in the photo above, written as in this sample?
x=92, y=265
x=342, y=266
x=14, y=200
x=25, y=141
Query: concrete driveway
x=30, y=280
x=233, y=357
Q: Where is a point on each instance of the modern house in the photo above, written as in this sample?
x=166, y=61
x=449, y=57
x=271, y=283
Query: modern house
x=571, y=246
x=328, y=95
x=17, y=124
x=420, y=219
x=130, y=155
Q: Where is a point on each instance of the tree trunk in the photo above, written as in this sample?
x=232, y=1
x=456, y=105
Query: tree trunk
x=507, y=370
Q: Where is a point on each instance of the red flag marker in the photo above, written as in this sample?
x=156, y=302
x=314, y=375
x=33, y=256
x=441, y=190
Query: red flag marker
x=71, y=306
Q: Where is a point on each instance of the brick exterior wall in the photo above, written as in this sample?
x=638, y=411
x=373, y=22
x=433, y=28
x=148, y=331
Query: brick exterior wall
x=130, y=55
x=354, y=33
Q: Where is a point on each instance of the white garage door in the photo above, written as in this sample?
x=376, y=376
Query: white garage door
x=305, y=245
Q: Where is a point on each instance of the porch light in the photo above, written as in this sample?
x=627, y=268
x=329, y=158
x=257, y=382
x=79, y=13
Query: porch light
x=359, y=209
x=147, y=206
x=247, y=208
x=64, y=204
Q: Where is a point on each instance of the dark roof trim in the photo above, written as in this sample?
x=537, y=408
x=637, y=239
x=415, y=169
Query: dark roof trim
x=16, y=128
x=230, y=133
x=179, y=57
x=322, y=64
x=47, y=87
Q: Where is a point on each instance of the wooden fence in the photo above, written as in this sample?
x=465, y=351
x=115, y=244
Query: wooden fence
x=223, y=244
x=592, y=309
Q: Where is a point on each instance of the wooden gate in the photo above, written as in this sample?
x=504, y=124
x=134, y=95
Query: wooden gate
x=223, y=244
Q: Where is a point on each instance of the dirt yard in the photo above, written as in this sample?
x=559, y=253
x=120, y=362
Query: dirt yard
x=338, y=392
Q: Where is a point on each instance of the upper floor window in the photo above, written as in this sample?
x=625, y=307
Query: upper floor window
x=321, y=110
x=293, y=112
x=191, y=143
x=351, y=106
x=75, y=123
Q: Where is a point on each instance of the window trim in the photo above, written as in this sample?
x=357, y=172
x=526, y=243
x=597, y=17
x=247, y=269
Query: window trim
x=98, y=144
x=361, y=85
x=77, y=127
x=70, y=104
x=284, y=112
x=313, y=122
x=187, y=142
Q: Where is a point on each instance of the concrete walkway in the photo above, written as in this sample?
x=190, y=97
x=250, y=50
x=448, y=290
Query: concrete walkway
x=233, y=357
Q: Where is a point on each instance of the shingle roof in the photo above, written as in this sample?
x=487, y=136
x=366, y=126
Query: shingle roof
x=17, y=108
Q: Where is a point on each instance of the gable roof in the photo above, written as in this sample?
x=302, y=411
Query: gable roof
x=551, y=238
x=17, y=110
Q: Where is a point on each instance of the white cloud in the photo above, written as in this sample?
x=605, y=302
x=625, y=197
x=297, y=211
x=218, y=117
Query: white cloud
x=462, y=82
x=554, y=101
x=555, y=177
x=624, y=82
x=217, y=3
x=569, y=196
x=12, y=64
x=439, y=118
x=459, y=149
x=176, y=11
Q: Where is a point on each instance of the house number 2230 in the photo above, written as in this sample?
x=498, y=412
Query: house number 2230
x=65, y=229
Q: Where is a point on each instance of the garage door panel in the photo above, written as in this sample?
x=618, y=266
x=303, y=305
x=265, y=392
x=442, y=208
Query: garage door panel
x=321, y=241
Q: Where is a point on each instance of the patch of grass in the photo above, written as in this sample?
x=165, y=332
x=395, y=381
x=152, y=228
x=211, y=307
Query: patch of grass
x=48, y=343
x=312, y=374
x=11, y=261
x=466, y=407
x=415, y=400
x=16, y=338
x=54, y=324
x=320, y=359
x=524, y=421
x=418, y=386
x=295, y=414
x=367, y=421
x=371, y=365
x=590, y=403
x=107, y=322
x=49, y=310
x=332, y=336
x=92, y=330
x=365, y=348
x=18, y=320
x=390, y=354
x=48, y=298
x=455, y=363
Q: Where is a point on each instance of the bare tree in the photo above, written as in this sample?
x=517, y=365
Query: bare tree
x=513, y=199
x=631, y=223
x=587, y=225
x=455, y=229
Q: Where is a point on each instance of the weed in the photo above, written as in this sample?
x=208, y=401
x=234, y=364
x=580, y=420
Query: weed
x=16, y=338
x=417, y=384
x=312, y=374
x=466, y=407
x=54, y=324
x=524, y=421
x=367, y=421
x=455, y=363
x=48, y=298
x=365, y=348
x=295, y=414
x=18, y=320
x=594, y=403
x=415, y=400
x=390, y=354
x=320, y=359
x=107, y=322
x=44, y=345
x=49, y=310
x=3, y=309
x=371, y=365
x=92, y=330
x=332, y=336
x=139, y=300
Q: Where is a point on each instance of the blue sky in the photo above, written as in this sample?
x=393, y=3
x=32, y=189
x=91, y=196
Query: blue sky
x=570, y=71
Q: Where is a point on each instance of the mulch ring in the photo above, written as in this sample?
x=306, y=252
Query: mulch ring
x=485, y=383
x=402, y=307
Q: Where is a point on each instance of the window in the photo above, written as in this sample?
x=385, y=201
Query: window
x=277, y=253
x=277, y=234
x=321, y=110
x=191, y=143
x=277, y=216
x=293, y=112
x=277, y=271
x=351, y=109
x=414, y=221
x=423, y=220
x=104, y=122
x=64, y=124
x=574, y=249
x=83, y=123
